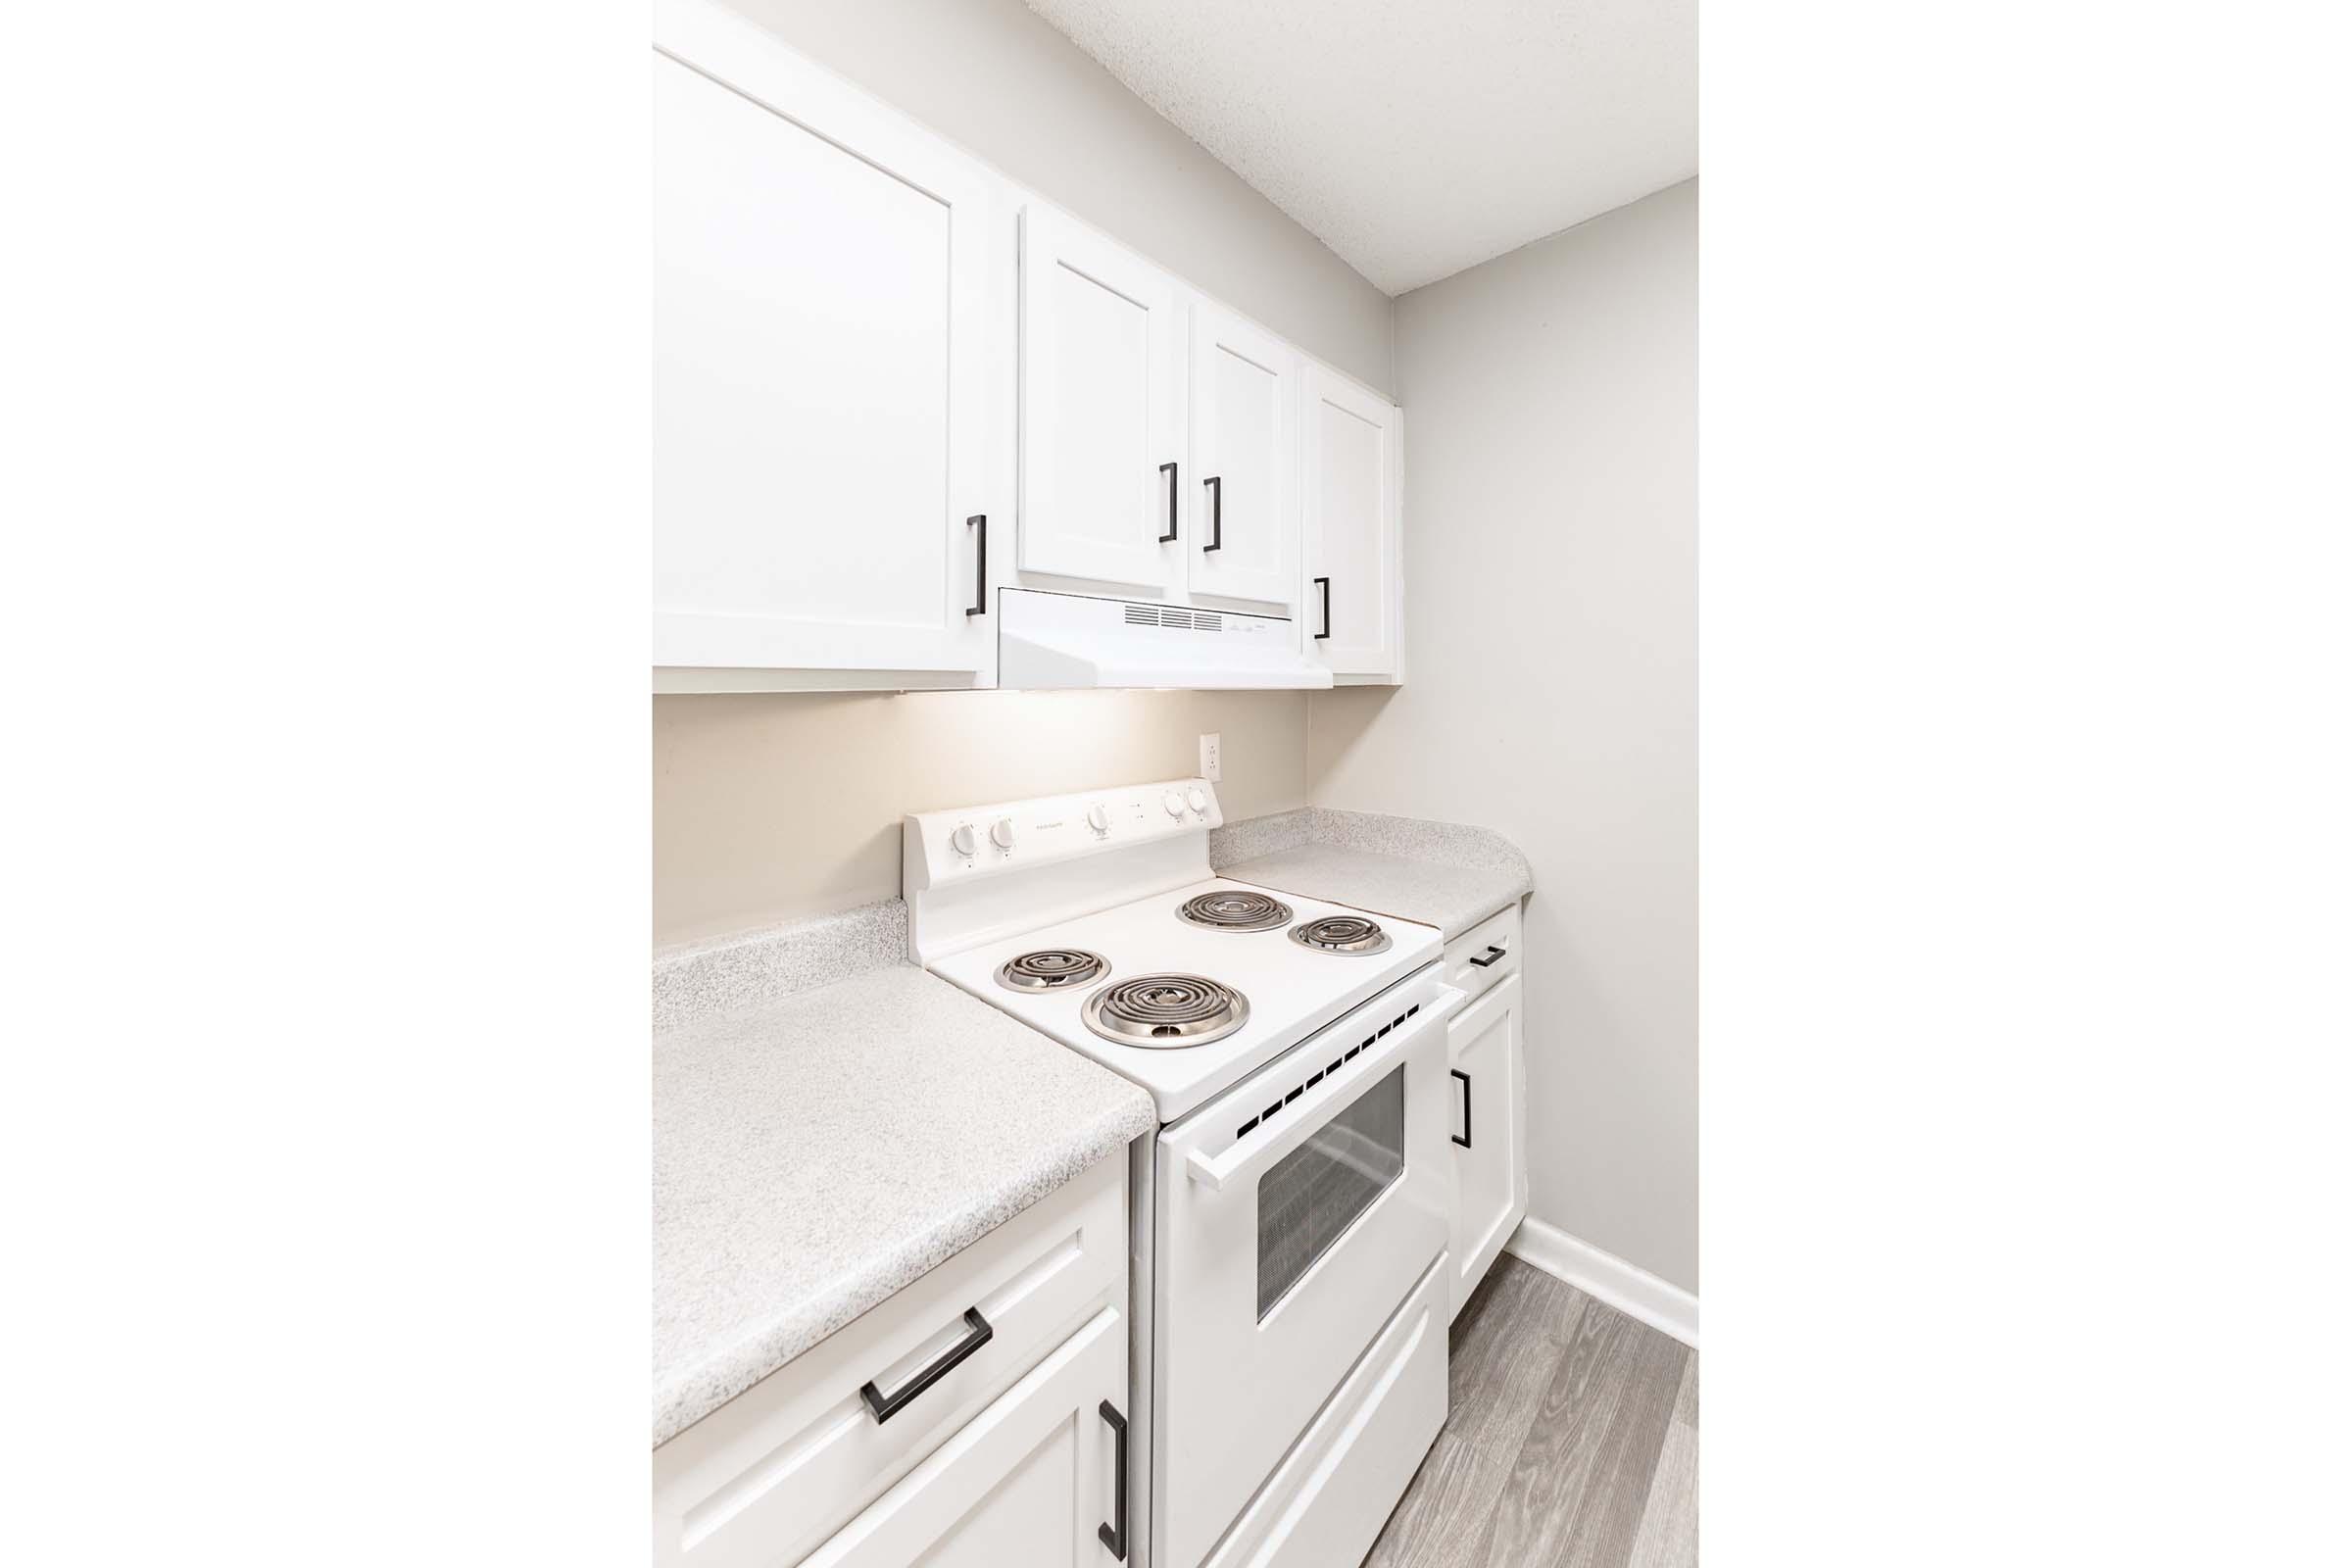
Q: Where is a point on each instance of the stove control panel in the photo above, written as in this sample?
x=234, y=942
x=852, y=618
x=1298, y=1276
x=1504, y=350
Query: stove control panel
x=977, y=840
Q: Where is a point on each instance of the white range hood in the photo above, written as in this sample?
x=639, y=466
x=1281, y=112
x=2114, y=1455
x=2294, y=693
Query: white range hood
x=1060, y=641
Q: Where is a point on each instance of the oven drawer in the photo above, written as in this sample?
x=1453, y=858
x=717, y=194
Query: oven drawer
x=1336, y=1488
x=768, y=1476
x=1486, y=955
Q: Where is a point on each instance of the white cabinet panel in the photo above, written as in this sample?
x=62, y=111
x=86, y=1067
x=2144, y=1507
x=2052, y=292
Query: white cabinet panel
x=822, y=328
x=799, y=1456
x=1245, y=445
x=1028, y=1480
x=1350, y=465
x=1490, y=1155
x=1101, y=432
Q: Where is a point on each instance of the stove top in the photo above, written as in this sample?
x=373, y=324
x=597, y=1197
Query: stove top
x=1234, y=995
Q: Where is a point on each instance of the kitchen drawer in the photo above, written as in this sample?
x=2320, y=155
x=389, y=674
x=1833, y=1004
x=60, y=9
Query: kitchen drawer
x=768, y=1476
x=1486, y=955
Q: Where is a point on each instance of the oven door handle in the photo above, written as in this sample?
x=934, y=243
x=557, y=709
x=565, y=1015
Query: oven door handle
x=1244, y=1159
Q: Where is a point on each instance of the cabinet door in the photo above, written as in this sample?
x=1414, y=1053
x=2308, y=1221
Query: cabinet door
x=821, y=332
x=1245, y=445
x=1103, y=494
x=1350, y=465
x=1489, y=1133
x=1029, y=1480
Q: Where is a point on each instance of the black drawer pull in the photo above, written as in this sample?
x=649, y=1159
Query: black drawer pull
x=884, y=1409
x=1464, y=1140
x=1169, y=469
x=980, y=586
x=1495, y=956
x=1115, y=1536
x=1325, y=584
x=1216, y=513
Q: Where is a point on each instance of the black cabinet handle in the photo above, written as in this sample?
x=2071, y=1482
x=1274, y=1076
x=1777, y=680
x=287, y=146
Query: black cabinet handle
x=1464, y=1140
x=1325, y=584
x=1495, y=956
x=1169, y=469
x=1115, y=1537
x=884, y=1409
x=980, y=586
x=1216, y=513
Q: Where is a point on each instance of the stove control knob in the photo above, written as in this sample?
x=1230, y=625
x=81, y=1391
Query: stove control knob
x=1174, y=803
x=1197, y=800
x=963, y=841
x=1097, y=819
x=1001, y=833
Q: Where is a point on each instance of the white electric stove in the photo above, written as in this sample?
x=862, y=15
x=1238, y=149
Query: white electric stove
x=1290, y=1218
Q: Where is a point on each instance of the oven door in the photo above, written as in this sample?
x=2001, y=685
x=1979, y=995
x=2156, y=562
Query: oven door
x=1294, y=1213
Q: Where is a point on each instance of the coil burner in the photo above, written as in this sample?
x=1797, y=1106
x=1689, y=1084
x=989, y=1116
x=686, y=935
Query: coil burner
x=1165, y=1011
x=1341, y=933
x=1053, y=969
x=1230, y=910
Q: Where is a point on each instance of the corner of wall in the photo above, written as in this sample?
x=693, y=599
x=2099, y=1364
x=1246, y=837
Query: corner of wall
x=1309, y=782
x=1396, y=365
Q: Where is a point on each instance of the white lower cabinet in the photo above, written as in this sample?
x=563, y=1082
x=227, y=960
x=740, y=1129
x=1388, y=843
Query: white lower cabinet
x=1486, y=1057
x=973, y=1418
x=1029, y=1480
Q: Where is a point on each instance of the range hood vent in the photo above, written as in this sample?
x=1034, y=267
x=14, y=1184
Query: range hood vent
x=1063, y=641
x=1173, y=616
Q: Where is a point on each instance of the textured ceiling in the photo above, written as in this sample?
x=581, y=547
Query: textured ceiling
x=1417, y=137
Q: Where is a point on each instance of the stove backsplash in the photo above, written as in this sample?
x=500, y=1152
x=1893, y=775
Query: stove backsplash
x=777, y=806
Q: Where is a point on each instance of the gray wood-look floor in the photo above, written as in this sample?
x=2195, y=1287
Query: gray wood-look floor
x=1573, y=1438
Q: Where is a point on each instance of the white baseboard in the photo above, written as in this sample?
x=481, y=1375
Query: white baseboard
x=1605, y=1277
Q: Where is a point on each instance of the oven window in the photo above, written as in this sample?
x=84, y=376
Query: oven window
x=1313, y=1192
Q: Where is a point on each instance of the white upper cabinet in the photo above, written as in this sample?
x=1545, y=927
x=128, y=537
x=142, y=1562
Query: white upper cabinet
x=888, y=384
x=1102, y=495
x=823, y=327
x=1245, y=445
x=1351, y=467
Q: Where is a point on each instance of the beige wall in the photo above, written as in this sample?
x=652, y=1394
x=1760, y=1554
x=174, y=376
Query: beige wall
x=992, y=77
x=766, y=808
x=1550, y=498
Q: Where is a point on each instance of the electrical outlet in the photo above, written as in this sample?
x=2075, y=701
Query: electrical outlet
x=1212, y=758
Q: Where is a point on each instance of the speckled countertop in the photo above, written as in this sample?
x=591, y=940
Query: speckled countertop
x=817, y=1152
x=1438, y=873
